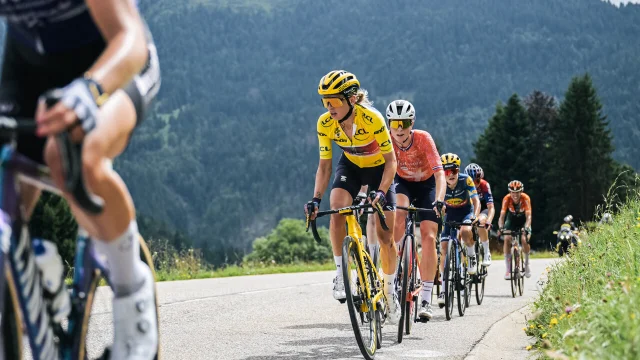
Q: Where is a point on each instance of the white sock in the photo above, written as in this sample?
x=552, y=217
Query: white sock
x=372, y=249
x=471, y=251
x=123, y=255
x=526, y=258
x=427, y=288
x=485, y=244
x=388, y=285
x=338, y=260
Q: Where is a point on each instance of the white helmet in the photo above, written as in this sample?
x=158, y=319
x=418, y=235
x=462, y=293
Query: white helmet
x=400, y=110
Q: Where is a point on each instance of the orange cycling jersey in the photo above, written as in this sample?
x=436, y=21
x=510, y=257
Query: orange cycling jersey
x=369, y=140
x=420, y=159
x=523, y=206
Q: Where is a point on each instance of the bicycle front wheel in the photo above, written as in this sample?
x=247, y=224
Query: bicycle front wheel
x=480, y=277
x=449, y=281
x=521, y=278
x=360, y=304
x=514, y=271
x=10, y=319
x=462, y=290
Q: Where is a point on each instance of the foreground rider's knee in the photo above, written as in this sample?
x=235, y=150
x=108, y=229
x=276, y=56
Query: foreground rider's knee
x=93, y=165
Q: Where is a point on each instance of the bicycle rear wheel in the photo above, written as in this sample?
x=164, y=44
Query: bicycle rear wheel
x=480, y=276
x=11, y=322
x=89, y=300
x=361, y=312
x=449, y=281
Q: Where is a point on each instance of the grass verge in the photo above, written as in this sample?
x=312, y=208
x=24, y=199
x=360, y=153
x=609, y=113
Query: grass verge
x=589, y=306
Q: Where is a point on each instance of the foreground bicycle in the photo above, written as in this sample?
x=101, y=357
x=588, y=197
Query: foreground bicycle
x=455, y=277
x=362, y=282
x=481, y=270
x=407, y=277
x=517, y=261
x=22, y=296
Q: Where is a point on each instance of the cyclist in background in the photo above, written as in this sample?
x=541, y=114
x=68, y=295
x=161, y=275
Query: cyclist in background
x=516, y=207
x=486, y=204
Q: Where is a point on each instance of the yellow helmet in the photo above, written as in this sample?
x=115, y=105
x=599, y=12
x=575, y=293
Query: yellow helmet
x=338, y=82
x=450, y=161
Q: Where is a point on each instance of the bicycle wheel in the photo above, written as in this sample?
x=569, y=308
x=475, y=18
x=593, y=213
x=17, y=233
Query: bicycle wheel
x=514, y=271
x=415, y=283
x=11, y=322
x=145, y=255
x=521, y=278
x=461, y=287
x=361, y=312
x=480, y=276
x=405, y=305
x=449, y=281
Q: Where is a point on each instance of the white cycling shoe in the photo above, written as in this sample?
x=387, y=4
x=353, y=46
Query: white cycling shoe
x=338, y=289
x=135, y=323
x=487, y=260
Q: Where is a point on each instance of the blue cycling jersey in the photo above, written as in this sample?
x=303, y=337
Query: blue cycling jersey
x=50, y=26
x=458, y=198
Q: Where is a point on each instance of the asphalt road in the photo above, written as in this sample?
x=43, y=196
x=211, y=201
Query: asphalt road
x=294, y=316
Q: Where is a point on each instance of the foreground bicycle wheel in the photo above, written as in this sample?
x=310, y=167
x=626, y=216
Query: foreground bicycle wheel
x=480, y=276
x=406, y=306
x=361, y=312
x=521, y=278
x=462, y=289
x=449, y=281
x=11, y=323
x=145, y=255
x=514, y=271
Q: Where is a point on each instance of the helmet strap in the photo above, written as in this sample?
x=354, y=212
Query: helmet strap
x=348, y=113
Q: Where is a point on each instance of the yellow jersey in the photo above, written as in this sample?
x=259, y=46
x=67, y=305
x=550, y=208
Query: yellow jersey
x=369, y=141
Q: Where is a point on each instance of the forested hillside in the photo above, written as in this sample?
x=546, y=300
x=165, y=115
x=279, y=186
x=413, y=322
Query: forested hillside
x=231, y=147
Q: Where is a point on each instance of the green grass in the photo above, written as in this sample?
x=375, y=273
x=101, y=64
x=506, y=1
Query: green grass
x=589, y=306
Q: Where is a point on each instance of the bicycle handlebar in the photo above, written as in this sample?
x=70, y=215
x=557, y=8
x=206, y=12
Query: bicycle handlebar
x=71, y=155
x=312, y=223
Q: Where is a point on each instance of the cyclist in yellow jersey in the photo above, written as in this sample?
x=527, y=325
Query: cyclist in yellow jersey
x=368, y=159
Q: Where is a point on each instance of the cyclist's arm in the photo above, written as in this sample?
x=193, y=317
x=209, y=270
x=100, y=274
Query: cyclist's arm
x=473, y=195
x=527, y=223
x=492, y=212
x=441, y=185
x=323, y=175
x=126, y=53
x=503, y=211
x=476, y=206
x=390, y=167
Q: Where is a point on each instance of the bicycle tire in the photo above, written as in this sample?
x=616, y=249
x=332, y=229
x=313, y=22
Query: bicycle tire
x=480, y=275
x=11, y=321
x=521, y=278
x=415, y=283
x=404, y=290
x=349, y=249
x=514, y=271
x=461, y=288
x=145, y=256
x=449, y=282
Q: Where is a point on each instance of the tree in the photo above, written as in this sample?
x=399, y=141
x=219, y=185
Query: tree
x=582, y=168
x=502, y=150
x=289, y=242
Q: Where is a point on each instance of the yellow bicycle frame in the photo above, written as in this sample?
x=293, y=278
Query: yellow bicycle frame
x=355, y=232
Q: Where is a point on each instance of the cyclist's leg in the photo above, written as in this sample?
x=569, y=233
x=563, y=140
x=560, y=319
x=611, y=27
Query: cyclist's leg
x=526, y=249
x=402, y=199
x=425, y=194
x=467, y=238
x=346, y=185
x=483, y=234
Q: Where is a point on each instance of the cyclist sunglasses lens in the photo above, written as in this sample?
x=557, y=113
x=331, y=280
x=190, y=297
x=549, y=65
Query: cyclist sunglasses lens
x=334, y=102
x=451, y=171
x=395, y=124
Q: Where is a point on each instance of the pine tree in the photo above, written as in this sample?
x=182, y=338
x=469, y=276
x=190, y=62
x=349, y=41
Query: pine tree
x=582, y=165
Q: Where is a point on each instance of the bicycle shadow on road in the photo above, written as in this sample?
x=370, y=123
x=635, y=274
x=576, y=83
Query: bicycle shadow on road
x=315, y=349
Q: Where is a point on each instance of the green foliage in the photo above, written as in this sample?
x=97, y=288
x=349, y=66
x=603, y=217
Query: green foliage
x=588, y=308
x=289, y=243
x=52, y=220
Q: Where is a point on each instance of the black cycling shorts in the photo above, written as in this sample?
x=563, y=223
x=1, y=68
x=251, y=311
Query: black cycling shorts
x=27, y=74
x=422, y=194
x=351, y=177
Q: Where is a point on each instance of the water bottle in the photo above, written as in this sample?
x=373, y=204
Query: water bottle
x=52, y=279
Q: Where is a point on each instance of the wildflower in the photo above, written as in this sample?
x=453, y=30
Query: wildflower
x=544, y=335
x=529, y=347
x=633, y=316
x=553, y=321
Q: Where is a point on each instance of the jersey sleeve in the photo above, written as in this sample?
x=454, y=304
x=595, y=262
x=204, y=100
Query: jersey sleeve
x=488, y=193
x=471, y=187
x=433, y=157
x=505, y=204
x=381, y=133
x=526, y=202
x=324, y=141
